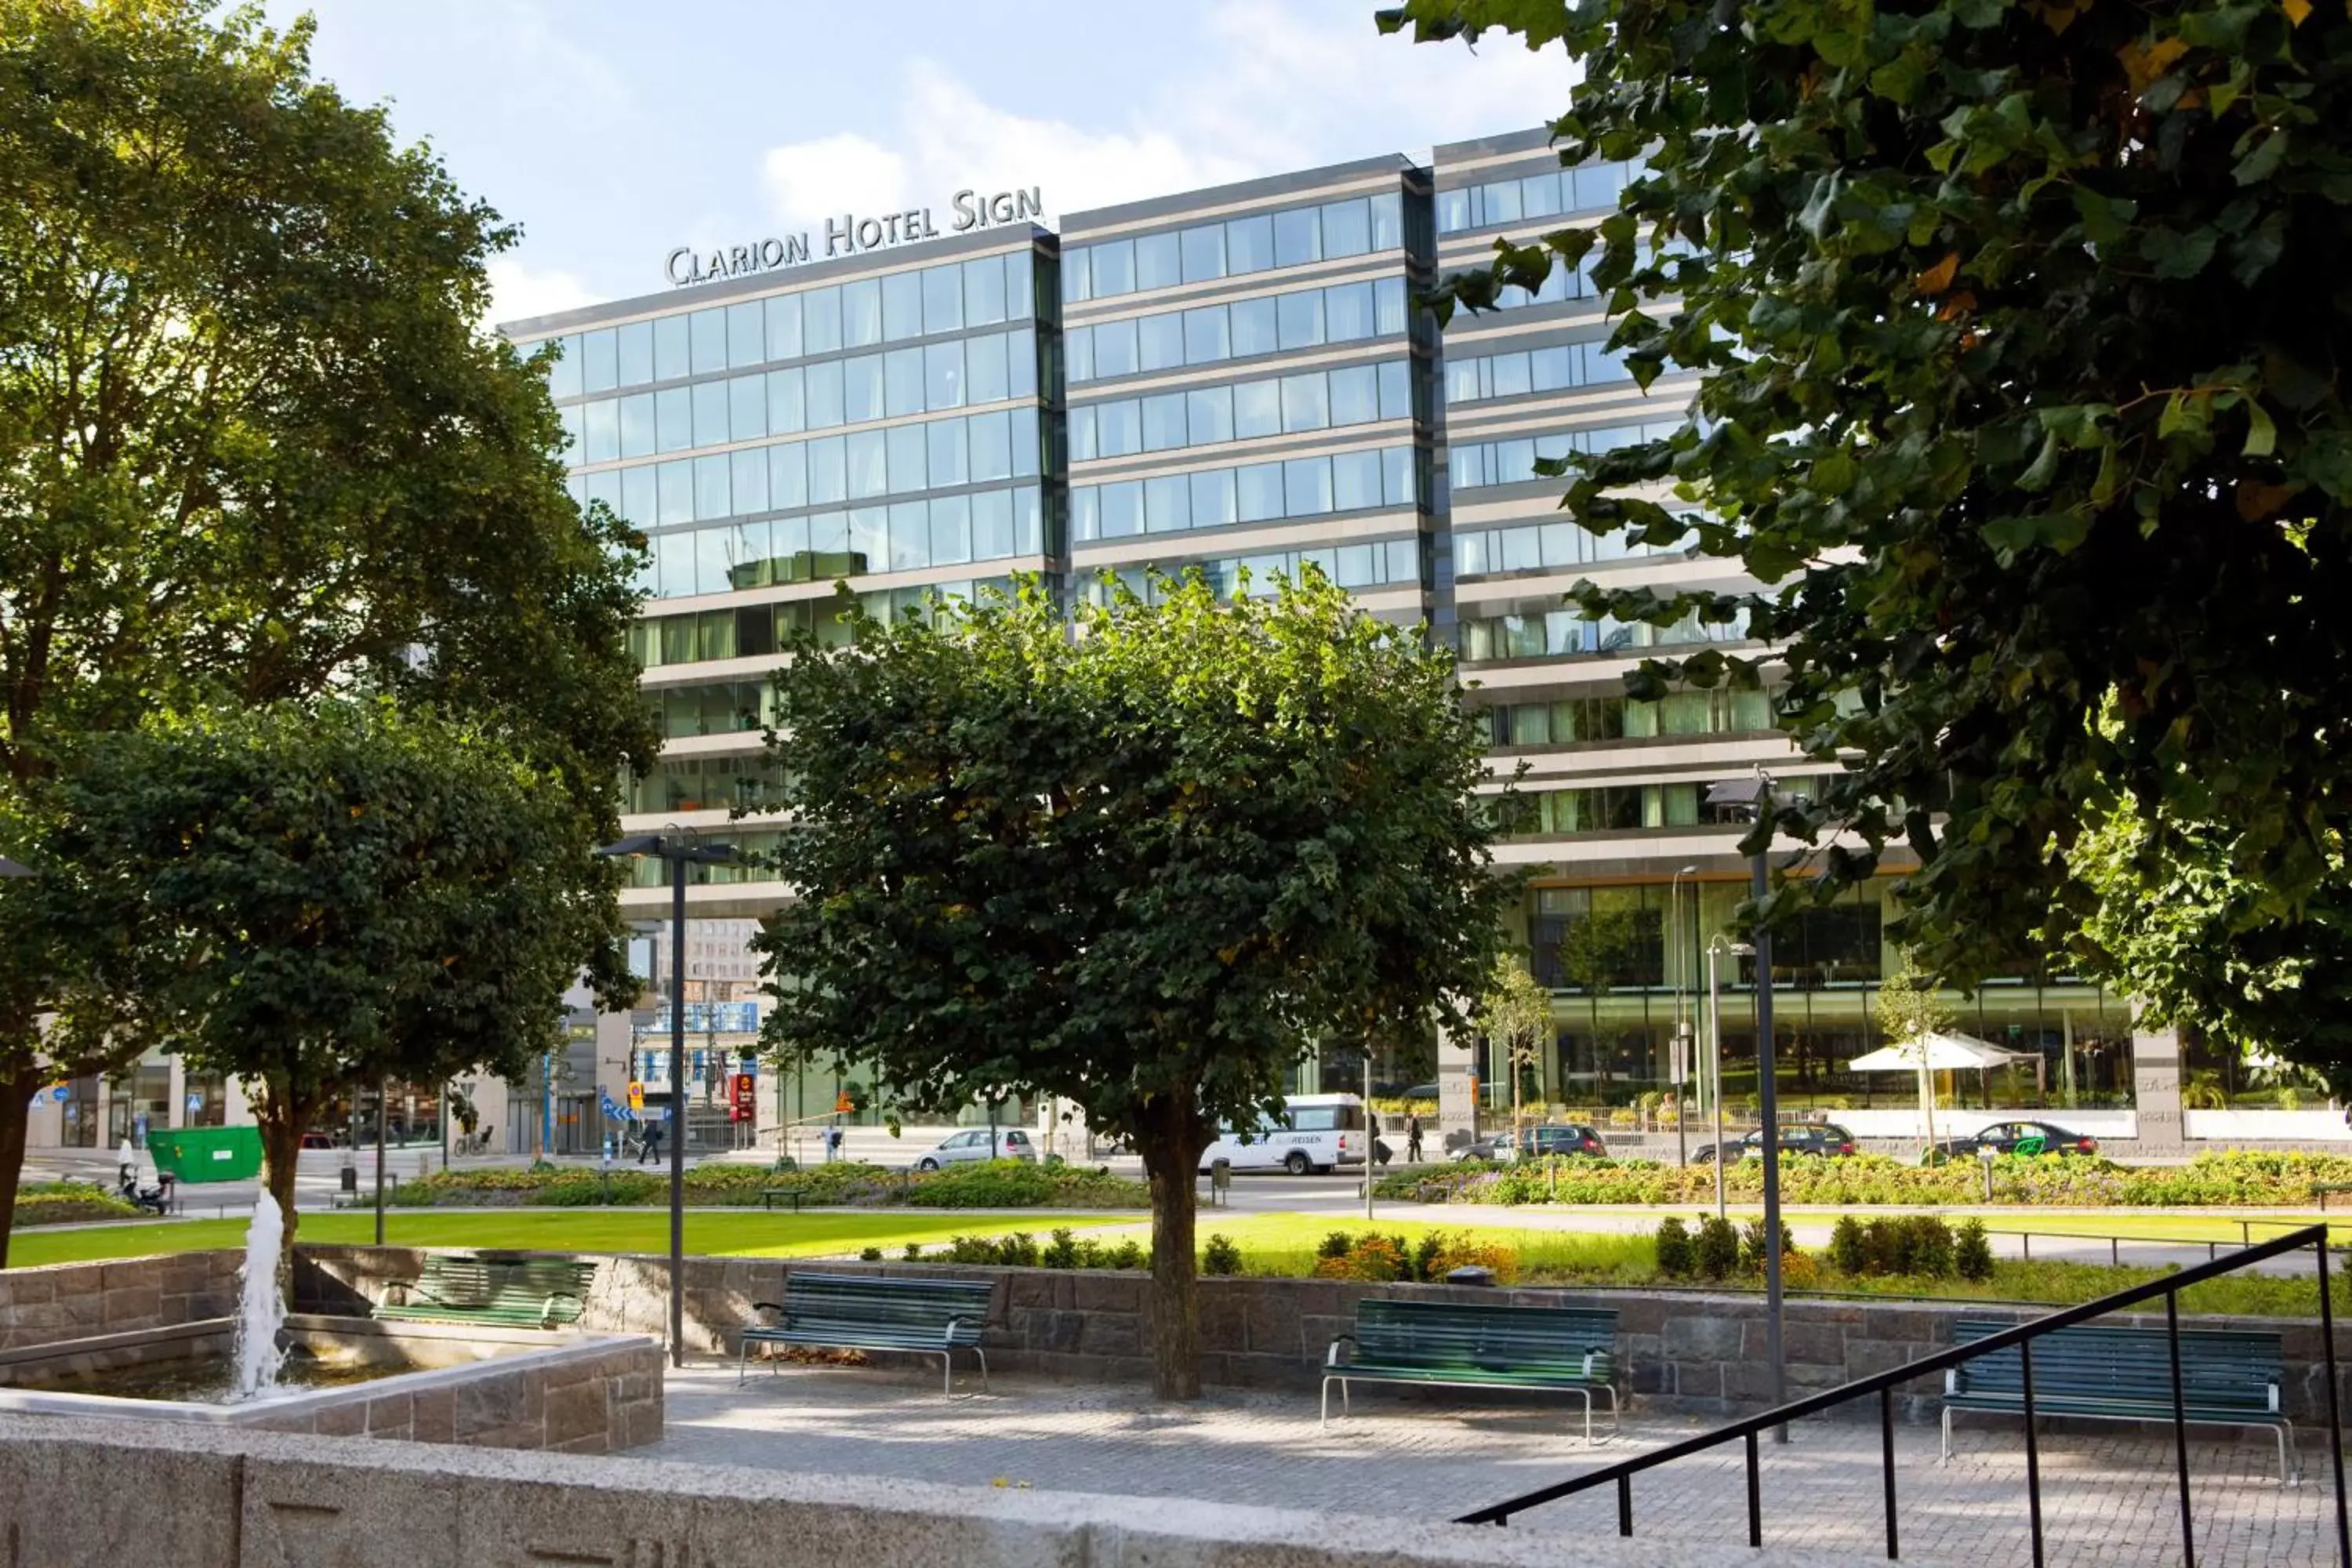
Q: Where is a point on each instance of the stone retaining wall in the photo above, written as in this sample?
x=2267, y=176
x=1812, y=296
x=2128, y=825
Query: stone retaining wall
x=88, y=1494
x=81, y=1300
x=1683, y=1351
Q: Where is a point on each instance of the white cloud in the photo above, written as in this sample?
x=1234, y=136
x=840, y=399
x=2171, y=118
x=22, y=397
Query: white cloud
x=951, y=139
x=1278, y=90
x=519, y=291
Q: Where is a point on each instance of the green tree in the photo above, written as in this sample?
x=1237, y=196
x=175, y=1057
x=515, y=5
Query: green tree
x=253, y=443
x=1910, y=1007
x=2020, y=329
x=317, y=897
x=1141, y=864
x=1517, y=1010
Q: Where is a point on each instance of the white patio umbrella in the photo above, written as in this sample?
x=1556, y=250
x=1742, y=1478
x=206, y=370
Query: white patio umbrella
x=1930, y=1054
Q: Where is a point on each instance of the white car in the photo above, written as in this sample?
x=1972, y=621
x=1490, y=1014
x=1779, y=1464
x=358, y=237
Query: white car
x=1012, y=1143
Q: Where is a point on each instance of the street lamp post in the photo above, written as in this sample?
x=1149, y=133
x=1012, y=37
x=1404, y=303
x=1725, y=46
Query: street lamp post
x=1758, y=796
x=1681, y=1052
x=678, y=849
x=1715, y=950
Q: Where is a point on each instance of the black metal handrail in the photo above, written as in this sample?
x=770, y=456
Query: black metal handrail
x=2021, y=1337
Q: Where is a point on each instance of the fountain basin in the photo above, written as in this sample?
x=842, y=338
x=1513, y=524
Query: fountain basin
x=517, y=1388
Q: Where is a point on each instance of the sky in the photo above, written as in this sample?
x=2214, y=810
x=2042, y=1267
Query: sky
x=612, y=131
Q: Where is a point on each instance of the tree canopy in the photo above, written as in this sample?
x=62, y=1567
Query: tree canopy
x=2021, y=329
x=255, y=443
x=1141, y=863
x=317, y=896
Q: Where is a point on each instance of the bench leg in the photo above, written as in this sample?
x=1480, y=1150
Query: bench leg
x=1947, y=1435
x=743, y=1363
x=1325, y=1418
x=984, y=1367
x=2288, y=1476
x=1616, y=1413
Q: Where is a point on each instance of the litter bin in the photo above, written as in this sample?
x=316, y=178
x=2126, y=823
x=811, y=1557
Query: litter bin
x=1470, y=1274
x=1220, y=1181
x=199, y=1154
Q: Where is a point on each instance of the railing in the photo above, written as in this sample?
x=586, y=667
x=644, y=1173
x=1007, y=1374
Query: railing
x=1621, y=1475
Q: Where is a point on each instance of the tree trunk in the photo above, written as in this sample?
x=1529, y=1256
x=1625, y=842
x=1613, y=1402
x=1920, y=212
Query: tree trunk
x=280, y=1118
x=1170, y=1144
x=15, y=1110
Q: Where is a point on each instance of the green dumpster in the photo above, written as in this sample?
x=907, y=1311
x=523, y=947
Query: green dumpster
x=194, y=1154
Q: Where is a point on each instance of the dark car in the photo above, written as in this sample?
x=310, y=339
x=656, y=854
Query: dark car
x=1536, y=1142
x=1824, y=1138
x=2013, y=1138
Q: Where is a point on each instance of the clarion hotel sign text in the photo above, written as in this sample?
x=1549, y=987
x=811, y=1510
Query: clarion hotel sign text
x=849, y=235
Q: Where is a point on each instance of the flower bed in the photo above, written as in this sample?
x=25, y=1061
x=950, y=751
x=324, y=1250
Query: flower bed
x=2233, y=1179
x=67, y=1203
x=1003, y=1183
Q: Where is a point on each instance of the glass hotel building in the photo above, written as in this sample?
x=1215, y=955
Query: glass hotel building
x=1235, y=379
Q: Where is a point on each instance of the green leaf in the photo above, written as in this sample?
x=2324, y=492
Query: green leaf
x=2259, y=165
x=2177, y=254
x=2262, y=434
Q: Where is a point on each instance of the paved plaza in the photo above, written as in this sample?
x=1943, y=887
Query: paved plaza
x=2108, y=1496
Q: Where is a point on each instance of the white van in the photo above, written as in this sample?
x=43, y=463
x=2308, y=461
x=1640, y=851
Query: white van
x=1315, y=1132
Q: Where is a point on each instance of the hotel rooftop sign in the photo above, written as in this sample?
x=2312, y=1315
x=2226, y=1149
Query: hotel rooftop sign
x=851, y=236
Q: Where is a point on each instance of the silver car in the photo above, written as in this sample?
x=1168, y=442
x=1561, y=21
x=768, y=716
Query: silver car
x=1012, y=1143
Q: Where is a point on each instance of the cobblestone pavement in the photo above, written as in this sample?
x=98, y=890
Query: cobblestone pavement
x=2108, y=1496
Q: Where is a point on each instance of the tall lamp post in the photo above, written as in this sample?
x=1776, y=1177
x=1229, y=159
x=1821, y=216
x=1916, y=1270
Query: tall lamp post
x=1682, y=1052
x=1759, y=797
x=679, y=849
x=1715, y=950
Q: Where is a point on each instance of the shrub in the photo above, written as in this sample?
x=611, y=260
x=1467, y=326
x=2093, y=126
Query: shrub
x=1378, y=1259
x=1062, y=1251
x=1753, y=1243
x=914, y=1250
x=1426, y=1255
x=1972, y=1251
x=1127, y=1254
x=1717, y=1250
x=67, y=1203
x=870, y=1255
x=1849, y=1254
x=1677, y=1259
x=1335, y=1244
x=1220, y=1257
x=1019, y=1250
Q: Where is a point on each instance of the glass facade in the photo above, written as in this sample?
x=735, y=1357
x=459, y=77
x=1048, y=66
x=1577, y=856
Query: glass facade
x=1168, y=389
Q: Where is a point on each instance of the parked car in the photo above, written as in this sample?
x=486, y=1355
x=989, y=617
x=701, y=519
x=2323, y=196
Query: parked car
x=1534, y=1142
x=1012, y=1143
x=2012, y=1138
x=1824, y=1138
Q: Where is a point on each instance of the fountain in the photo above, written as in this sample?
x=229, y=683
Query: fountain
x=261, y=1305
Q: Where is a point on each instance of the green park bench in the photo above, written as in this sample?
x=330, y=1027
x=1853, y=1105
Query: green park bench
x=770, y=1197
x=2228, y=1378
x=1564, y=1349
x=524, y=1293
x=872, y=1312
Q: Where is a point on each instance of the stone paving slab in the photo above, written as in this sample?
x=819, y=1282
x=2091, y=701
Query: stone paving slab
x=2108, y=1496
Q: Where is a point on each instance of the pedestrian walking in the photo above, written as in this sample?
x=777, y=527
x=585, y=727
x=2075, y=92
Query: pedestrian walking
x=650, y=1148
x=1412, y=1138
x=831, y=1143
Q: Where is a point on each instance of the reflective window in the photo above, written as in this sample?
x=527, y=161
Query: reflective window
x=637, y=439
x=902, y=381
x=563, y=371
x=942, y=300
x=861, y=313
x=1204, y=253
x=1297, y=236
x=672, y=358
x=1348, y=228
x=861, y=388
x=983, y=291
x=747, y=407
x=943, y=383
x=673, y=419
x=824, y=400
x=1114, y=268
x=710, y=413
x=984, y=368
x=1206, y=340
x=709, y=329
x=787, y=404
x=902, y=306
x=747, y=335
x=821, y=320
x=1158, y=262
x=1160, y=343
x=1299, y=319
x=1547, y=194
x=783, y=313
x=1238, y=246
x=1249, y=244
x=600, y=440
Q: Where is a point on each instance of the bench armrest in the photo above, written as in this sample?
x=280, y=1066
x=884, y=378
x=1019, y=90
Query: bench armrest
x=1331, y=1356
x=1951, y=1380
x=1590, y=1357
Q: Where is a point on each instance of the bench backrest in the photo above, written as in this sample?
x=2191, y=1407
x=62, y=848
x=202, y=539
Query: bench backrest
x=460, y=1281
x=1447, y=1334
x=875, y=1301
x=2220, y=1368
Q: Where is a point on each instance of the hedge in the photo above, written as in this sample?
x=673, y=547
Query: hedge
x=2239, y=1179
x=67, y=1203
x=1003, y=1183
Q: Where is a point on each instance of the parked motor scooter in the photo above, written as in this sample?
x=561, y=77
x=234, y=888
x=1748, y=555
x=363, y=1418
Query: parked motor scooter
x=154, y=1200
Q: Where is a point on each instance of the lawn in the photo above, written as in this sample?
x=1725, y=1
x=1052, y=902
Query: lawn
x=740, y=1233
x=1285, y=1243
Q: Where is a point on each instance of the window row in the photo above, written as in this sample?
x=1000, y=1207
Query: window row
x=1235, y=247
x=751, y=630
x=905, y=536
x=938, y=454
x=755, y=862
x=866, y=311
x=701, y=784
x=1554, y=369
x=1272, y=323
x=1477, y=463
x=1559, y=633
x=1382, y=564
x=1591, y=188
x=1243, y=411
x=723, y=707
x=1254, y=492
x=1574, y=720
x=1612, y=809
x=1538, y=546
x=986, y=369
